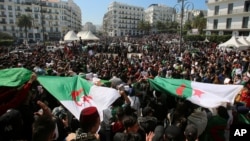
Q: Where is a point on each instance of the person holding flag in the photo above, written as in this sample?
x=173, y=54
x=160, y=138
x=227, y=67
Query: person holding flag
x=20, y=94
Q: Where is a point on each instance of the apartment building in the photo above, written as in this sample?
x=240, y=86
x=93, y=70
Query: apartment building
x=159, y=13
x=228, y=17
x=122, y=19
x=51, y=19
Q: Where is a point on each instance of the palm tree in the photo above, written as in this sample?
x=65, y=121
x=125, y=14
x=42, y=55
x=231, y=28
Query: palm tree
x=26, y=22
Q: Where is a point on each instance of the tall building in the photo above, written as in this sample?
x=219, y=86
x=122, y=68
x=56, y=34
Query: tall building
x=158, y=13
x=228, y=17
x=88, y=26
x=122, y=19
x=51, y=19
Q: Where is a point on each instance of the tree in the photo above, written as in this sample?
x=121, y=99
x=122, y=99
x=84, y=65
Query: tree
x=144, y=26
x=5, y=36
x=141, y=25
x=173, y=27
x=160, y=26
x=147, y=27
x=25, y=21
x=188, y=25
x=199, y=22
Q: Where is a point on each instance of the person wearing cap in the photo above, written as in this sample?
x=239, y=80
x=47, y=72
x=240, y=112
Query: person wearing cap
x=89, y=125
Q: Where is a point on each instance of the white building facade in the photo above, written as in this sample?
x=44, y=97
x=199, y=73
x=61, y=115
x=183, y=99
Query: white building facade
x=228, y=17
x=88, y=26
x=158, y=13
x=122, y=19
x=51, y=19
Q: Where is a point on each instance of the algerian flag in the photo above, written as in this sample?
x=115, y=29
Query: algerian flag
x=76, y=93
x=14, y=77
x=203, y=94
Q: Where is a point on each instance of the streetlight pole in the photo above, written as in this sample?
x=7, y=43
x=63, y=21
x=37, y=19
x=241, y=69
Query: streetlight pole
x=182, y=15
x=41, y=10
x=184, y=4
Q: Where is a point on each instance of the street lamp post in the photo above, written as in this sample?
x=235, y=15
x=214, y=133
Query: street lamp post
x=183, y=4
x=41, y=10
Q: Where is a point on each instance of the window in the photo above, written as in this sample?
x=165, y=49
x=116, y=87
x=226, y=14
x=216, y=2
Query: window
x=230, y=8
x=216, y=10
x=229, y=21
x=18, y=8
x=10, y=14
x=247, y=6
x=215, y=24
x=245, y=22
x=9, y=7
x=11, y=21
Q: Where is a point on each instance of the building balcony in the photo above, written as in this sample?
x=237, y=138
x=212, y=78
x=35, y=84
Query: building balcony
x=28, y=10
x=233, y=12
x=224, y=27
x=216, y=1
x=27, y=3
x=3, y=22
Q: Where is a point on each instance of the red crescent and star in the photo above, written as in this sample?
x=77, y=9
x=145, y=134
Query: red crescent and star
x=180, y=89
x=76, y=94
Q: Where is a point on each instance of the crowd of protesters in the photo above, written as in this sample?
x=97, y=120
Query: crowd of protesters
x=141, y=113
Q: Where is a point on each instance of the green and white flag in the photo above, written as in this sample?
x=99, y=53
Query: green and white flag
x=76, y=93
x=14, y=77
x=203, y=94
